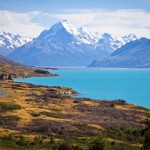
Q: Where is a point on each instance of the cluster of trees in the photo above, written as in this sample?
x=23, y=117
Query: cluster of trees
x=42, y=71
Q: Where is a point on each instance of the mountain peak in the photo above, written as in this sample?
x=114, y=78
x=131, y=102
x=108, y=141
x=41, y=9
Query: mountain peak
x=64, y=24
x=9, y=42
x=65, y=21
x=69, y=27
x=1, y=31
x=82, y=29
x=107, y=36
x=132, y=36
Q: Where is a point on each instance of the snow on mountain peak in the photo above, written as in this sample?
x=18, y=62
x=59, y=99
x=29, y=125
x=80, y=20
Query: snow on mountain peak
x=58, y=29
x=129, y=38
x=9, y=42
x=1, y=31
x=132, y=37
x=69, y=27
x=82, y=29
x=64, y=24
x=65, y=31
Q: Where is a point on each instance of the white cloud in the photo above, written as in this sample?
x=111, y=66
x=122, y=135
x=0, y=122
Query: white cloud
x=20, y=23
x=119, y=22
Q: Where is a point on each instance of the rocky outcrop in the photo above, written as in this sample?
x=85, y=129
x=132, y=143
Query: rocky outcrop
x=10, y=77
x=4, y=76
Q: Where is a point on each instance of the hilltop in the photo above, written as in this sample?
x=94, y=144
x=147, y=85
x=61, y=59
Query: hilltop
x=135, y=54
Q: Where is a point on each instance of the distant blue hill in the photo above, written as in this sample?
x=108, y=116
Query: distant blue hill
x=135, y=54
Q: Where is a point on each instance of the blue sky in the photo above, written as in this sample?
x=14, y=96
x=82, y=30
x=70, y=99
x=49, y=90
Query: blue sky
x=117, y=17
x=58, y=5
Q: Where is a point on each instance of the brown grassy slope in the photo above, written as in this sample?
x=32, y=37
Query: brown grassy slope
x=8, y=66
x=20, y=71
x=52, y=111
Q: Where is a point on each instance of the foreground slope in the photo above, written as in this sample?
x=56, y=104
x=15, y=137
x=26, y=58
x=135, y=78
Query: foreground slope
x=135, y=54
x=50, y=114
x=42, y=117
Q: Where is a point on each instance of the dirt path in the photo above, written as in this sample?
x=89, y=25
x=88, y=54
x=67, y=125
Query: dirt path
x=3, y=93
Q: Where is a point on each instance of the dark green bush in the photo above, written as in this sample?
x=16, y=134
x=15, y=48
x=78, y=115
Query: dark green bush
x=49, y=114
x=6, y=137
x=4, y=106
x=42, y=71
x=51, y=140
x=99, y=143
x=65, y=146
x=146, y=144
x=38, y=140
x=22, y=141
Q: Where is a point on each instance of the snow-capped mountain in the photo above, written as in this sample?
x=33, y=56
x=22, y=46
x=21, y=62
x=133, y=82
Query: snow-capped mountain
x=9, y=42
x=135, y=54
x=110, y=43
x=65, y=45
x=64, y=32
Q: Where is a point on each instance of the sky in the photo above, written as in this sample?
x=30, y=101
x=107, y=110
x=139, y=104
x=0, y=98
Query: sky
x=117, y=17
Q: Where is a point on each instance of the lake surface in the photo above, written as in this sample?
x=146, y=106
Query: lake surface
x=107, y=84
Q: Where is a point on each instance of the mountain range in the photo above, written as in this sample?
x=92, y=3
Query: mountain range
x=67, y=46
x=135, y=54
x=9, y=42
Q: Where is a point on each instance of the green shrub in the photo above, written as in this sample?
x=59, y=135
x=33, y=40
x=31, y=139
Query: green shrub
x=51, y=140
x=146, y=144
x=6, y=137
x=99, y=143
x=22, y=141
x=38, y=140
x=8, y=106
x=49, y=114
x=7, y=142
x=65, y=146
x=42, y=71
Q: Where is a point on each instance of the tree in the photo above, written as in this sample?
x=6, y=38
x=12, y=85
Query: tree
x=146, y=144
x=99, y=143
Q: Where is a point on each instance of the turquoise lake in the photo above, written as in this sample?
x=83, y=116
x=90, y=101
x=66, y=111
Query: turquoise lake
x=106, y=84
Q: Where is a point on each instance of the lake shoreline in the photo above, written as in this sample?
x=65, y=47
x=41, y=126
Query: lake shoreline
x=53, y=112
x=66, y=78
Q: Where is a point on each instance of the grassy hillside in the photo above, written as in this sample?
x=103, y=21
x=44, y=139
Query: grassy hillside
x=41, y=117
x=51, y=113
x=22, y=71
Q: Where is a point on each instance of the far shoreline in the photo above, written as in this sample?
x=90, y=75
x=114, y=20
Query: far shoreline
x=79, y=94
x=86, y=68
